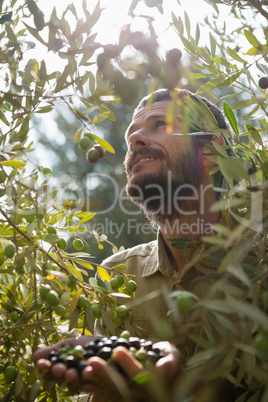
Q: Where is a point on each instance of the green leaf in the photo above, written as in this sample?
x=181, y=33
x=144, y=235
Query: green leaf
x=208, y=86
x=37, y=14
x=104, y=143
x=235, y=56
x=24, y=128
x=84, y=264
x=86, y=217
x=103, y=274
x=242, y=104
x=50, y=238
x=255, y=135
x=77, y=135
x=230, y=80
x=6, y=17
x=187, y=24
x=61, y=83
x=141, y=378
x=89, y=317
x=56, y=218
x=74, y=319
x=231, y=117
x=220, y=149
x=213, y=44
x=248, y=310
x=110, y=114
x=197, y=34
x=203, y=356
x=44, y=109
x=12, y=163
x=35, y=34
x=177, y=22
x=224, y=204
x=3, y=118
x=251, y=38
x=253, y=51
x=232, y=168
x=100, y=117
x=120, y=267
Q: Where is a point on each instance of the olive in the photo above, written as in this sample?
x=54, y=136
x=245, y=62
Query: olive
x=73, y=360
x=88, y=354
x=81, y=366
x=90, y=346
x=121, y=342
x=105, y=353
x=263, y=82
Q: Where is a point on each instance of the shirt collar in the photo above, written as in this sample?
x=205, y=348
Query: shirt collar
x=159, y=261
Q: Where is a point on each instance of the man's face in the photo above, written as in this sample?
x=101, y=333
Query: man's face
x=158, y=160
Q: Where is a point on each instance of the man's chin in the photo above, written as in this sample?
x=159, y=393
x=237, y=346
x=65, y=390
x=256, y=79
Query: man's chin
x=138, y=183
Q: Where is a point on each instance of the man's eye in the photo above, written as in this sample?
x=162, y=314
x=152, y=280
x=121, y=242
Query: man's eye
x=160, y=123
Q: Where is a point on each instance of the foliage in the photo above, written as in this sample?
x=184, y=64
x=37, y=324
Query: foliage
x=44, y=290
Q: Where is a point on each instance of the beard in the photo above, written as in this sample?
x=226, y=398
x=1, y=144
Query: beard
x=169, y=192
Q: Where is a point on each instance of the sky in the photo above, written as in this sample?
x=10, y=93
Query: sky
x=115, y=12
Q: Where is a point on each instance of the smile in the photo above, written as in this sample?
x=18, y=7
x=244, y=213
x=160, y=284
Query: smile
x=146, y=159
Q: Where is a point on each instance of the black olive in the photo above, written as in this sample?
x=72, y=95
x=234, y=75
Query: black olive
x=105, y=353
x=71, y=361
x=56, y=359
x=91, y=346
x=81, y=366
x=121, y=342
x=148, y=345
x=88, y=354
x=52, y=354
x=135, y=342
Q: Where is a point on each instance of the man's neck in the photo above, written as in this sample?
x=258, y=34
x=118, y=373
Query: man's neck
x=192, y=227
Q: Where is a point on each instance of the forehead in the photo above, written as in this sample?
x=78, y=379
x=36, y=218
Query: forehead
x=157, y=108
x=148, y=112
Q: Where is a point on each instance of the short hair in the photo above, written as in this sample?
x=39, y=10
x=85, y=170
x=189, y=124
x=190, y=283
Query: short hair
x=165, y=94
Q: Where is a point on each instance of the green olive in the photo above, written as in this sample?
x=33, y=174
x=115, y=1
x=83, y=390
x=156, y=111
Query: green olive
x=61, y=243
x=113, y=283
x=96, y=310
x=78, y=244
x=9, y=251
x=131, y=286
x=122, y=311
x=10, y=374
x=52, y=298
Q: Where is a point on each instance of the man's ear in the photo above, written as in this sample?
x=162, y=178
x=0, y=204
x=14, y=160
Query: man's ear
x=207, y=160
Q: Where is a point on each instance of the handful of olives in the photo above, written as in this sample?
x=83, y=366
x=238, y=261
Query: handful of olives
x=76, y=357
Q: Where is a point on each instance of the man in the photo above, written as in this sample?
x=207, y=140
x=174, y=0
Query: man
x=168, y=176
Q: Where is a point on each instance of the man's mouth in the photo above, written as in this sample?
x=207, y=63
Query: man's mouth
x=145, y=155
x=145, y=159
x=138, y=160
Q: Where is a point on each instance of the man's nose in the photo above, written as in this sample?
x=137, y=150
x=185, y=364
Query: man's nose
x=138, y=139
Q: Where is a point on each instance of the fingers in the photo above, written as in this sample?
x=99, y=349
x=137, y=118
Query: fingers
x=127, y=362
x=169, y=366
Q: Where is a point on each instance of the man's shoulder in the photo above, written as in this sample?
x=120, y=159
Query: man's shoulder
x=123, y=257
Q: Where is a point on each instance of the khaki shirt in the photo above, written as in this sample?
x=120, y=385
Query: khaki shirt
x=156, y=276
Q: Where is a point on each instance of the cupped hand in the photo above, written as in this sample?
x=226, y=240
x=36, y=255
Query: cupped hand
x=125, y=379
